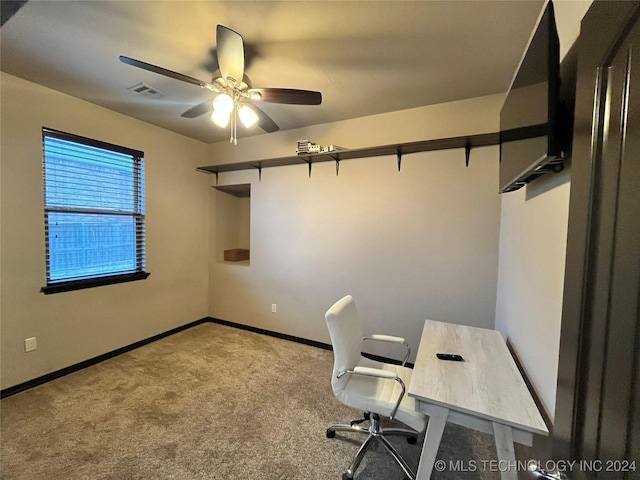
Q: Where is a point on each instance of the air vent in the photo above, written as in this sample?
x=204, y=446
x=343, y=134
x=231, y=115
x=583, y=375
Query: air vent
x=146, y=90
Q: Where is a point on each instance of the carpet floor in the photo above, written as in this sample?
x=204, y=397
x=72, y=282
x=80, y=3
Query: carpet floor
x=210, y=402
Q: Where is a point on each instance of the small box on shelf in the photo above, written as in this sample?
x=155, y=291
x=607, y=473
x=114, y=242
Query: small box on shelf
x=236, y=255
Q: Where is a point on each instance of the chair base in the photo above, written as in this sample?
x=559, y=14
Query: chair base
x=375, y=432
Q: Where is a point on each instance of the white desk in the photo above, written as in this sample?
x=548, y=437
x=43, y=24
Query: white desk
x=485, y=392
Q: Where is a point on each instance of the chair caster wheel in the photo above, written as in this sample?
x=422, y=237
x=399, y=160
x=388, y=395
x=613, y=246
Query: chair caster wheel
x=347, y=476
x=330, y=433
x=412, y=441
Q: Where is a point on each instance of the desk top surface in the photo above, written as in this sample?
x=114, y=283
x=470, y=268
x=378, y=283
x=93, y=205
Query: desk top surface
x=487, y=384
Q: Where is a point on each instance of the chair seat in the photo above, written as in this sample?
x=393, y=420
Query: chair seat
x=372, y=394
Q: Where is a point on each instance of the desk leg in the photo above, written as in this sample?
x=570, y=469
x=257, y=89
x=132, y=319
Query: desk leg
x=506, y=454
x=435, y=427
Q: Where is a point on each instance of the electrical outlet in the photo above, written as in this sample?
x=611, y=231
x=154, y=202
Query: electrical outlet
x=30, y=344
x=274, y=308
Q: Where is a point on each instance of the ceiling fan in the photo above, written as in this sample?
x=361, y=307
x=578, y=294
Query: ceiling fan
x=235, y=96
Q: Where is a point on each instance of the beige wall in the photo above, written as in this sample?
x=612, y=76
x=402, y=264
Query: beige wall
x=464, y=117
x=74, y=326
x=533, y=236
x=418, y=243
x=409, y=245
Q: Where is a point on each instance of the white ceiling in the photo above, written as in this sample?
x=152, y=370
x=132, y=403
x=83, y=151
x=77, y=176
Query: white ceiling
x=366, y=57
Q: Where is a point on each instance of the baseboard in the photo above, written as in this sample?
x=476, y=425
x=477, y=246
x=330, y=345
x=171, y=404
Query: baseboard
x=305, y=341
x=7, y=392
x=534, y=394
x=271, y=333
x=393, y=361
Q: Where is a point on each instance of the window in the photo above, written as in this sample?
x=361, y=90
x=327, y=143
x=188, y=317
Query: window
x=94, y=212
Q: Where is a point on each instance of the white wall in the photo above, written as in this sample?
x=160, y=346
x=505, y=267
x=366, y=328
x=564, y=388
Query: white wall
x=74, y=326
x=409, y=245
x=533, y=236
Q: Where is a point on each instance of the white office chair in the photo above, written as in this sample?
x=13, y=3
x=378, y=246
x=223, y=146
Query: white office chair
x=376, y=388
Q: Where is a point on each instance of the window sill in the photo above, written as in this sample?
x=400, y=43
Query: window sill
x=92, y=282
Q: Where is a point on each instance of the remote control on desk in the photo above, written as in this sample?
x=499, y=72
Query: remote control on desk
x=450, y=356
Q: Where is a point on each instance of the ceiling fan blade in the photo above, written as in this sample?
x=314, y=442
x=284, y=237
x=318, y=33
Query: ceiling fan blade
x=286, y=95
x=250, y=55
x=198, y=110
x=168, y=73
x=265, y=122
x=230, y=54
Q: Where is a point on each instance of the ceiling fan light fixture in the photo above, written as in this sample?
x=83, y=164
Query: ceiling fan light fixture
x=220, y=118
x=223, y=103
x=232, y=87
x=248, y=116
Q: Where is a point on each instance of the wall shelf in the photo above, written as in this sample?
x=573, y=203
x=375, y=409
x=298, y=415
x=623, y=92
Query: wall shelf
x=399, y=149
x=240, y=191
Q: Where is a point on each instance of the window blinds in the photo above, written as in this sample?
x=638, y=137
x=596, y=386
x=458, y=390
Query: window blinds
x=94, y=208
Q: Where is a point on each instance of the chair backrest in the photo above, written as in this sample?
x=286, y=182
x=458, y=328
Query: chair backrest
x=346, y=334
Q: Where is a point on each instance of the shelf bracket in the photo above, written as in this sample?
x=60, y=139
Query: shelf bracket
x=336, y=158
x=309, y=161
x=259, y=168
x=216, y=177
x=399, y=155
x=467, y=152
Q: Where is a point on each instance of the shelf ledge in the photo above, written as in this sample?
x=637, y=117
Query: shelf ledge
x=398, y=150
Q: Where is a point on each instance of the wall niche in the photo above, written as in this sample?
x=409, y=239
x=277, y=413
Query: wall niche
x=233, y=223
